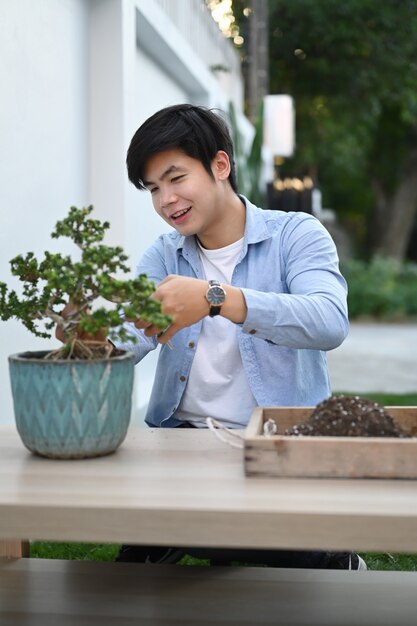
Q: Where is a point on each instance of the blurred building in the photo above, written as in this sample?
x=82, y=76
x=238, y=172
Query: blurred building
x=77, y=78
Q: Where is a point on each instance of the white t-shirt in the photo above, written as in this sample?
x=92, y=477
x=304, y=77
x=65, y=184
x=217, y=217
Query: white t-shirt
x=217, y=385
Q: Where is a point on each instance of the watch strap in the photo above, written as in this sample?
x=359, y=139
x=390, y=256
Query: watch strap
x=214, y=308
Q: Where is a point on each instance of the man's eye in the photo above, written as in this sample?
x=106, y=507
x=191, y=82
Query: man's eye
x=176, y=179
x=153, y=189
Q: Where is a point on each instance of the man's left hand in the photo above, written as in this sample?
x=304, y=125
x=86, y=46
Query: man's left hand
x=181, y=297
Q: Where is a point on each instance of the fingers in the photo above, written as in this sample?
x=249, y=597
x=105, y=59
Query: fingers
x=167, y=335
x=150, y=330
x=141, y=324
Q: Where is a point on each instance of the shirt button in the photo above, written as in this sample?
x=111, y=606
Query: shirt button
x=191, y=344
x=183, y=379
x=252, y=332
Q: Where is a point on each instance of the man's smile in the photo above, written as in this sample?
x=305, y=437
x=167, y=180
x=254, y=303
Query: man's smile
x=179, y=216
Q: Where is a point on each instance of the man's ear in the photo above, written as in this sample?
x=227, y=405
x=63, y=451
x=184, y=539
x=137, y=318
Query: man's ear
x=221, y=165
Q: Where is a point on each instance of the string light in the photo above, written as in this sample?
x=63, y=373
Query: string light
x=297, y=184
x=222, y=13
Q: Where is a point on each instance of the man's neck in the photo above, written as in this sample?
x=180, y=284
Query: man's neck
x=231, y=229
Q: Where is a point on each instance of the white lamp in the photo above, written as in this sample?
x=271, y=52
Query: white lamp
x=279, y=125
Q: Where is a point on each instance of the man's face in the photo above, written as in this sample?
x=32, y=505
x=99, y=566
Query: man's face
x=184, y=194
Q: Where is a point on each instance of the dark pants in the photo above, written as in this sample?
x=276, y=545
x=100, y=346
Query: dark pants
x=269, y=558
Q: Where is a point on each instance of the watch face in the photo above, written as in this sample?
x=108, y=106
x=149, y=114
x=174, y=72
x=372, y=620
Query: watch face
x=216, y=295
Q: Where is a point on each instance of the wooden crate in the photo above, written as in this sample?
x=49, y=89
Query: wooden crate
x=328, y=457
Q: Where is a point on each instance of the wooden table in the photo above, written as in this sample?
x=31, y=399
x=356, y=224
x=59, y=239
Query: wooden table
x=185, y=488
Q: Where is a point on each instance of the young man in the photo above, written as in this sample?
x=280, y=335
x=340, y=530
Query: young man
x=256, y=296
x=260, y=337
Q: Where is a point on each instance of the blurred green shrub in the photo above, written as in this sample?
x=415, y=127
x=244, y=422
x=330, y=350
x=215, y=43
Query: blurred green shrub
x=382, y=288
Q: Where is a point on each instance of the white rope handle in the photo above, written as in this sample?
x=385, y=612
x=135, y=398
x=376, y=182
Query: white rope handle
x=218, y=429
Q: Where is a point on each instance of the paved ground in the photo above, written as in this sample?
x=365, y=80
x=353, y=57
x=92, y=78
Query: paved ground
x=376, y=357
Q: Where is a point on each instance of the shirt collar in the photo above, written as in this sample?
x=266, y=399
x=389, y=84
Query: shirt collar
x=255, y=229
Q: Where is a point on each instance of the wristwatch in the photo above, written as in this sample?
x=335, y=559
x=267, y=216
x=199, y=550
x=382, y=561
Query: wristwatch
x=215, y=296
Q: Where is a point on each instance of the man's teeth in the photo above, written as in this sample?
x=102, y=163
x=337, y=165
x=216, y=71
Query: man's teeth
x=180, y=213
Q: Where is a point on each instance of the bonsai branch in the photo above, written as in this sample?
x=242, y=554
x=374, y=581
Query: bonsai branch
x=56, y=279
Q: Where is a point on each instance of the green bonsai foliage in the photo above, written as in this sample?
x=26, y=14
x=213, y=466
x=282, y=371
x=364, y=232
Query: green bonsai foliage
x=60, y=291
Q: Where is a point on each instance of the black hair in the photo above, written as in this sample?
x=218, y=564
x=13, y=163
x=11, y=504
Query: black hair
x=197, y=131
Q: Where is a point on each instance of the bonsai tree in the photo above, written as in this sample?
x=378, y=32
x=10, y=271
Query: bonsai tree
x=60, y=291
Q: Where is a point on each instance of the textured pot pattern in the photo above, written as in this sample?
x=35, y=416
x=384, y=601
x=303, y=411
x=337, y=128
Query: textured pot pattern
x=71, y=409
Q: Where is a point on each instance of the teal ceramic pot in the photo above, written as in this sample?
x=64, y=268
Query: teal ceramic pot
x=71, y=409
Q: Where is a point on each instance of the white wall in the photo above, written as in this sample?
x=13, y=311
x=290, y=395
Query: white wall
x=77, y=78
x=149, y=88
x=43, y=146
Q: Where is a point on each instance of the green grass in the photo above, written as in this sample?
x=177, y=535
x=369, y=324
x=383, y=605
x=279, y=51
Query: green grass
x=108, y=552
x=74, y=551
x=386, y=561
x=387, y=399
x=88, y=552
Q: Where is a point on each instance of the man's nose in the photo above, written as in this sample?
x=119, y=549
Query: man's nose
x=167, y=197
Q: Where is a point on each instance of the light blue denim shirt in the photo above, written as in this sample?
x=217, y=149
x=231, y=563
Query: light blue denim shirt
x=289, y=274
